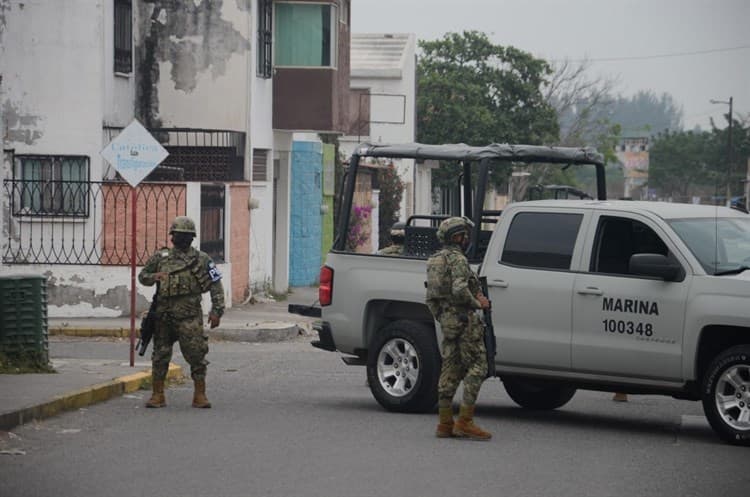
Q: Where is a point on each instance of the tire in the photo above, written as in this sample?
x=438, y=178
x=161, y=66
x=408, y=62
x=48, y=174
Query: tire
x=538, y=394
x=726, y=395
x=403, y=367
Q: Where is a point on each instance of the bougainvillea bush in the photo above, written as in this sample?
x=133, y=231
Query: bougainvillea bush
x=359, y=227
x=391, y=192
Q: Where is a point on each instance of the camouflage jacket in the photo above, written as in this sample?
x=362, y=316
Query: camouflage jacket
x=450, y=281
x=190, y=274
x=395, y=249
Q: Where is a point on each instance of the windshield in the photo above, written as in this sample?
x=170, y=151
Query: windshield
x=732, y=251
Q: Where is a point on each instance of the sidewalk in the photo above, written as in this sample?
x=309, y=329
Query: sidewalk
x=81, y=381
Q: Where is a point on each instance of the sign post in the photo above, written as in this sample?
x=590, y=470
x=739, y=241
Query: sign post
x=134, y=154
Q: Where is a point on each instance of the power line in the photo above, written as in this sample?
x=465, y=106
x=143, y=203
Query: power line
x=658, y=56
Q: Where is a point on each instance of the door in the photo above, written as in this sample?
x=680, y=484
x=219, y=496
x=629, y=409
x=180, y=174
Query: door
x=624, y=324
x=530, y=284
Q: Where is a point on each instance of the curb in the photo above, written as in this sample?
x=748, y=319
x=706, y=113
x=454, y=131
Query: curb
x=265, y=332
x=90, y=332
x=83, y=397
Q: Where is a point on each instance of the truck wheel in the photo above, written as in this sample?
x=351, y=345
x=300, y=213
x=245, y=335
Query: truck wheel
x=535, y=394
x=726, y=395
x=403, y=367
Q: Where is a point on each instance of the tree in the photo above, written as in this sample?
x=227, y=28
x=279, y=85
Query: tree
x=583, y=104
x=647, y=111
x=475, y=92
x=687, y=163
x=682, y=163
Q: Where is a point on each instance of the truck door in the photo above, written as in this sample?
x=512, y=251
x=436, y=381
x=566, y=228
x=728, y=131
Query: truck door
x=530, y=284
x=624, y=324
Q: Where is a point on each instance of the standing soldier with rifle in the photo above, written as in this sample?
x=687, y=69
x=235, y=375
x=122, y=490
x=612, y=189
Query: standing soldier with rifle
x=453, y=296
x=183, y=275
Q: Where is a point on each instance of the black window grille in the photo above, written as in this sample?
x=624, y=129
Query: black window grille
x=123, y=36
x=51, y=185
x=212, y=221
x=265, y=39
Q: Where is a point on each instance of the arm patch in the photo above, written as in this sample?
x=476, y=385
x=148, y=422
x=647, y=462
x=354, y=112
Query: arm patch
x=213, y=272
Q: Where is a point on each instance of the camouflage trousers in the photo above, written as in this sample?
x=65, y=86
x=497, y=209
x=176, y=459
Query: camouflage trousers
x=464, y=359
x=193, y=345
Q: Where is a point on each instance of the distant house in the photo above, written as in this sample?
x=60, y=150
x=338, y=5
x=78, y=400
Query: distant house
x=383, y=107
x=633, y=156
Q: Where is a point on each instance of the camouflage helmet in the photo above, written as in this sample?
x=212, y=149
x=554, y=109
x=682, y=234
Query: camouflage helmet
x=453, y=226
x=398, y=232
x=182, y=224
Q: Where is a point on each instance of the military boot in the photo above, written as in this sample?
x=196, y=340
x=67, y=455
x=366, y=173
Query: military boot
x=157, y=397
x=465, y=427
x=199, y=395
x=445, y=426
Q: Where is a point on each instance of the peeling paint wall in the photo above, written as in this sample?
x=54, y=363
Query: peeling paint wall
x=193, y=58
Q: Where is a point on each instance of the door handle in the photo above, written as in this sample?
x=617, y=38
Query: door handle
x=590, y=290
x=499, y=283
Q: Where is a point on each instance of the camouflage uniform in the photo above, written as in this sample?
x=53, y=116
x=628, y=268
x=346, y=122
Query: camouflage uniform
x=397, y=240
x=395, y=249
x=188, y=274
x=179, y=312
x=452, y=288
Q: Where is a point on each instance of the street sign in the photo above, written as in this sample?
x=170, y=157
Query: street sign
x=134, y=153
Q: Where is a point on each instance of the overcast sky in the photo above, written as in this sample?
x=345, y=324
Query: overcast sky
x=645, y=35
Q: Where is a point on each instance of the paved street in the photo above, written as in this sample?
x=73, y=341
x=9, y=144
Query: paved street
x=290, y=420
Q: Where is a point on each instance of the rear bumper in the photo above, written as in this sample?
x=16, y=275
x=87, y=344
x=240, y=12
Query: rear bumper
x=325, y=336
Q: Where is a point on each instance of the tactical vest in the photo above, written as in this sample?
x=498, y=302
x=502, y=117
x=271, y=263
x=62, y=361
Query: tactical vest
x=185, y=277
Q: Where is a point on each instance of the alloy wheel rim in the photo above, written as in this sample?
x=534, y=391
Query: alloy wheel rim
x=398, y=367
x=732, y=397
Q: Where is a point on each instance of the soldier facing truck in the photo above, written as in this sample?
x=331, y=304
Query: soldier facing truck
x=453, y=295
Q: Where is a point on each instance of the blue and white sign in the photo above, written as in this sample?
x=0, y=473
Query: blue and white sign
x=134, y=153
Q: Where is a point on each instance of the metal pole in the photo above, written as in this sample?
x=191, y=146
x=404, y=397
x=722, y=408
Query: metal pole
x=729, y=158
x=133, y=209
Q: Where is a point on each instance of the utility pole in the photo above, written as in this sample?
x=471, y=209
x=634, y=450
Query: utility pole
x=729, y=149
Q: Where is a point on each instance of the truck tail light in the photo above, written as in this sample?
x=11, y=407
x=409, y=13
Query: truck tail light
x=325, y=290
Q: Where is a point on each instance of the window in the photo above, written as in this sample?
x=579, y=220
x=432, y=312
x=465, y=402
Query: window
x=52, y=186
x=265, y=38
x=306, y=34
x=619, y=238
x=123, y=36
x=212, y=221
x=260, y=164
x=541, y=240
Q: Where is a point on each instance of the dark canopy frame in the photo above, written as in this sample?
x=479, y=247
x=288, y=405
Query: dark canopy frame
x=466, y=154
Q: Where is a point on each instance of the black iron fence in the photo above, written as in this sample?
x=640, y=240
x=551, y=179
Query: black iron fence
x=87, y=222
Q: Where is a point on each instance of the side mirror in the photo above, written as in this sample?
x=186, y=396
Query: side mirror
x=656, y=265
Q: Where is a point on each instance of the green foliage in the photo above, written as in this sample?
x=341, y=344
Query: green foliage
x=647, y=113
x=472, y=91
x=391, y=193
x=681, y=161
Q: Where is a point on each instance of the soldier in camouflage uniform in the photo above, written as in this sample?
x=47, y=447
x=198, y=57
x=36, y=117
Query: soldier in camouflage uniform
x=453, y=296
x=397, y=240
x=182, y=274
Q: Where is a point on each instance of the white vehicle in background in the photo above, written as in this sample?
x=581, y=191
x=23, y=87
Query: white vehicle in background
x=634, y=297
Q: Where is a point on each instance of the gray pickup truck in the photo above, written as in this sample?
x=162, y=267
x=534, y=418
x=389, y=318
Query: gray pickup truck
x=635, y=297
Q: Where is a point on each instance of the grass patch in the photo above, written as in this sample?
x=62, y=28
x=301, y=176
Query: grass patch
x=24, y=363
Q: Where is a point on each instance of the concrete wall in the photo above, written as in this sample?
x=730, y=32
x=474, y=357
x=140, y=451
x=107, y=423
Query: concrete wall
x=194, y=63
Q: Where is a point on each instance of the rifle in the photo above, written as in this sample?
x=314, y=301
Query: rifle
x=148, y=325
x=489, y=332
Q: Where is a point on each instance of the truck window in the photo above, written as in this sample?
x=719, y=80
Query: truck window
x=617, y=239
x=541, y=240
